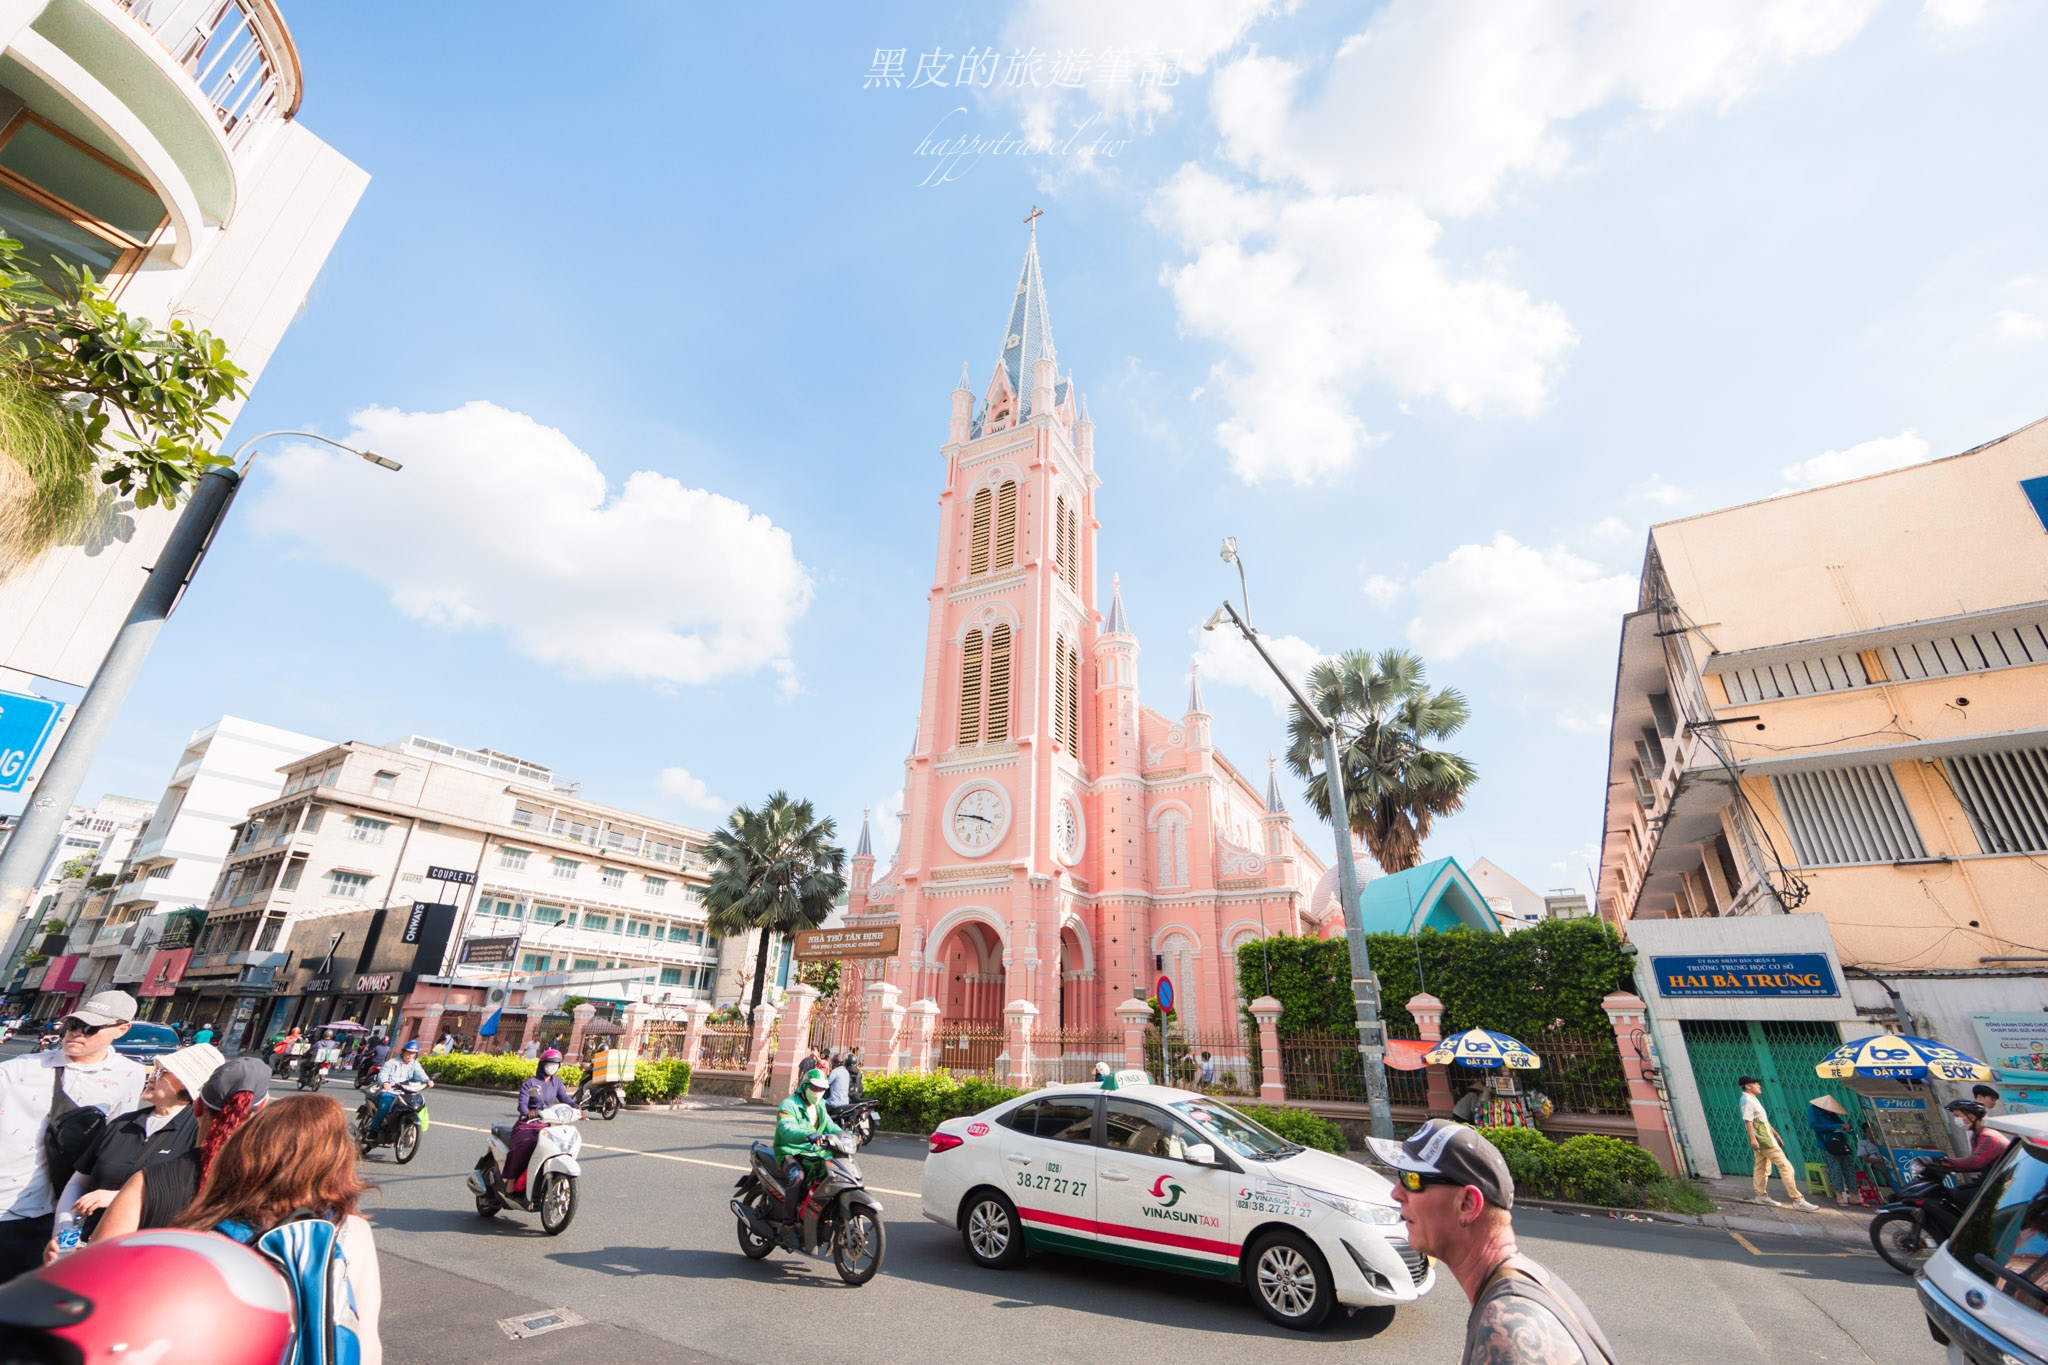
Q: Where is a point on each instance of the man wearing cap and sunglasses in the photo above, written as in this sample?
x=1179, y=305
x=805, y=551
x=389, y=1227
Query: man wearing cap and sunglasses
x=38, y=1095
x=1456, y=1197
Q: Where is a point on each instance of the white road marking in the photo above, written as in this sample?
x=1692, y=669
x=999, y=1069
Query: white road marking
x=669, y=1156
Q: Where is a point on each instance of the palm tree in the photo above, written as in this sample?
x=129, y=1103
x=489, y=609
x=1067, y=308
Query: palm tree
x=1394, y=785
x=775, y=869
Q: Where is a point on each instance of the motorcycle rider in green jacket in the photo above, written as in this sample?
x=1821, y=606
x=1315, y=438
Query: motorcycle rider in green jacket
x=800, y=1121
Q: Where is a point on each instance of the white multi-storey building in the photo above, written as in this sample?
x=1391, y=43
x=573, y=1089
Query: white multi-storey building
x=309, y=919
x=98, y=841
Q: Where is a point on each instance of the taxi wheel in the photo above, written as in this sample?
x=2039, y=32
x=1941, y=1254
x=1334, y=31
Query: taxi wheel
x=990, y=1230
x=1291, y=1281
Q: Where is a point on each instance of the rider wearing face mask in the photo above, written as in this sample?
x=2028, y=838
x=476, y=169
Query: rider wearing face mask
x=799, y=1122
x=1986, y=1145
x=543, y=1090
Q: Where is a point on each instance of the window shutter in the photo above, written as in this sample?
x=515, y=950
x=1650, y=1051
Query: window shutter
x=1059, y=690
x=977, y=542
x=970, y=689
x=2006, y=797
x=1074, y=698
x=999, y=683
x=1847, y=815
x=1006, y=526
x=1059, y=539
x=1073, y=539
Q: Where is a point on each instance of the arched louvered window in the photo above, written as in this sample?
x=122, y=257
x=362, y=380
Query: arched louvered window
x=1062, y=564
x=970, y=689
x=1071, y=534
x=1006, y=525
x=1173, y=849
x=999, y=683
x=1074, y=697
x=1059, y=691
x=977, y=542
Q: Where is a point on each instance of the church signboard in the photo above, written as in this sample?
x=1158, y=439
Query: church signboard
x=830, y=945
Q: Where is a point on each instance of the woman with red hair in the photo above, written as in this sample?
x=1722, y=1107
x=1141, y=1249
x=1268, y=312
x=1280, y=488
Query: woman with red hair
x=297, y=1156
x=155, y=1195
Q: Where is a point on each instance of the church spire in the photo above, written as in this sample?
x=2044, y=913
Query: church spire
x=1274, y=805
x=1115, y=625
x=1029, y=335
x=866, y=848
x=1195, y=706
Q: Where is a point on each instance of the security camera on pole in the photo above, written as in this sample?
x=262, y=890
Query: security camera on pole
x=1365, y=989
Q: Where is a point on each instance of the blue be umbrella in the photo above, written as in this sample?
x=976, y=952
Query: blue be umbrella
x=1895, y=1056
x=1483, y=1048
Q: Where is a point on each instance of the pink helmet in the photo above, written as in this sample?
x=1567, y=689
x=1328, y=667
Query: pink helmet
x=169, y=1295
x=551, y=1055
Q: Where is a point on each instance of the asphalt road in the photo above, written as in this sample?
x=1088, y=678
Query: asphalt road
x=651, y=1262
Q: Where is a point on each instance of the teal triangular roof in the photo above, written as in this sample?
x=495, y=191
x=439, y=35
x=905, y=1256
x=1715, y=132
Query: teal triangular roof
x=1434, y=895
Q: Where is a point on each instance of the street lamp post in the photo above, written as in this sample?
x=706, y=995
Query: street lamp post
x=42, y=821
x=1365, y=990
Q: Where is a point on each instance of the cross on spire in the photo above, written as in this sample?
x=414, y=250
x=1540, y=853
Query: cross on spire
x=1032, y=221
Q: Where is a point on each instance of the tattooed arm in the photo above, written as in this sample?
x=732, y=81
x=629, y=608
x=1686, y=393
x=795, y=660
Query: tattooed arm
x=1515, y=1331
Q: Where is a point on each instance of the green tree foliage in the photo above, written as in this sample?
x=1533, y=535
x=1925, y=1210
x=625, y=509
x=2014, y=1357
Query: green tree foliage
x=1298, y=1126
x=1520, y=984
x=919, y=1101
x=96, y=407
x=1592, y=1169
x=75, y=869
x=822, y=977
x=1395, y=785
x=775, y=869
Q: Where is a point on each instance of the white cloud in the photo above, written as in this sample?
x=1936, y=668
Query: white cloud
x=1228, y=661
x=1613, y=531
x=1193, y=32
x=1868, y=457
x=1313, y=294
x=1518, y=600
x=499, y=523
x=1575, y=867
x=1585, y=720
x=691, y=791
x=1383, y=590
x=1953, y=13
x=1330, y=274
x=1660, y=491
x=2014, y=325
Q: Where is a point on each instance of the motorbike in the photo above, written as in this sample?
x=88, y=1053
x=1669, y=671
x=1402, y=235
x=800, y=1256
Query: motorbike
x=550, y=1173
x=402, y=1126
x=602, y=1098
x=858, y=1119
x=1922, y=1215
x=313, y=1070
x=838, y=1217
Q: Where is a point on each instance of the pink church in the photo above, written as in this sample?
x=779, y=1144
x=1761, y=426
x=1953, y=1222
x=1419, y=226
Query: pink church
x=1062, y=843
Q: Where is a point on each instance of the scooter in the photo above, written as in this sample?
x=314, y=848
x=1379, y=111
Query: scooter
x=858, y=1119
x=550, y=1173
x=402, y=1126
x=602, y=1098
x=1920, y=1218
x=312, y=1070
x=838, y=1217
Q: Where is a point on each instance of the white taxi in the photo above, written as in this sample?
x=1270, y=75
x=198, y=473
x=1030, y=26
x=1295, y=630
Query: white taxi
x=1162, y=1177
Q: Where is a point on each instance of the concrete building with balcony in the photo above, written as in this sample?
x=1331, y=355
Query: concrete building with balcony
x=1827, y=801
x=155, y=143
x=98, y=841
x=364, y=890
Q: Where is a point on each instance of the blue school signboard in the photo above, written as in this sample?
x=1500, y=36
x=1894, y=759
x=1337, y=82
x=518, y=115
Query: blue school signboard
x=1780, y=974
x=25, y=726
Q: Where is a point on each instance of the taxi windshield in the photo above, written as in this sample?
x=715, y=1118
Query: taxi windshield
x=1234, y=1130
x=2003, y=1239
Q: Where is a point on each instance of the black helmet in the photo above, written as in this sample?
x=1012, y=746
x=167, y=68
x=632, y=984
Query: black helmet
x=1970, y=1107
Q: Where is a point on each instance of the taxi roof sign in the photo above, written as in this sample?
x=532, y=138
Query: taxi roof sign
x=1124, y=1078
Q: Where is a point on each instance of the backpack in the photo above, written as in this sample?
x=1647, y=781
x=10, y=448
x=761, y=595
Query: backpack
x=69, y=1136
x=306, y=1249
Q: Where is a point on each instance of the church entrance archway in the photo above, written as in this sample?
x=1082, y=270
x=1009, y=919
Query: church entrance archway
x=971, y=976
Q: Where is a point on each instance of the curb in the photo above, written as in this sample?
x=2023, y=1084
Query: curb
x=1605, y=1211
x=1852, y=1235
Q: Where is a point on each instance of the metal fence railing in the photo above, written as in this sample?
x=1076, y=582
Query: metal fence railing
x=1068, y=1056
x=725, y=1049
x=969, y=1048
x=1581, y=1072
x=1176, y=1058
x=1326, y=1066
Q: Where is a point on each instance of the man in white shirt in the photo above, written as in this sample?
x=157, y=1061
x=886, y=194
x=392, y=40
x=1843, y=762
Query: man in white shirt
x=1763, y=1140
x=838, y=1085
x=93, y=1076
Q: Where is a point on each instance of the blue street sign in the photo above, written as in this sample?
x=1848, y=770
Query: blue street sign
x=1795, y=974
x=1165, y=994
x=25, y=726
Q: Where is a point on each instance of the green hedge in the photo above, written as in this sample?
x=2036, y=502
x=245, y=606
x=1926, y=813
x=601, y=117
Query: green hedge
x=1591, y=1169
x=1298, y=1125
x=1520, y=983
x=652, y=1083
x=917, y=1102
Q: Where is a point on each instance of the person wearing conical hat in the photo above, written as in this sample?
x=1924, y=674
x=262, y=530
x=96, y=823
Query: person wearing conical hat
x=1830, y=1124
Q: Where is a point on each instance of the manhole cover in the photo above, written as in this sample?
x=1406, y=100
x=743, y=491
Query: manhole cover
x=534, y=1324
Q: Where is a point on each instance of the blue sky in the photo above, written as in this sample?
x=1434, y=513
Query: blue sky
x=1435, y=308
